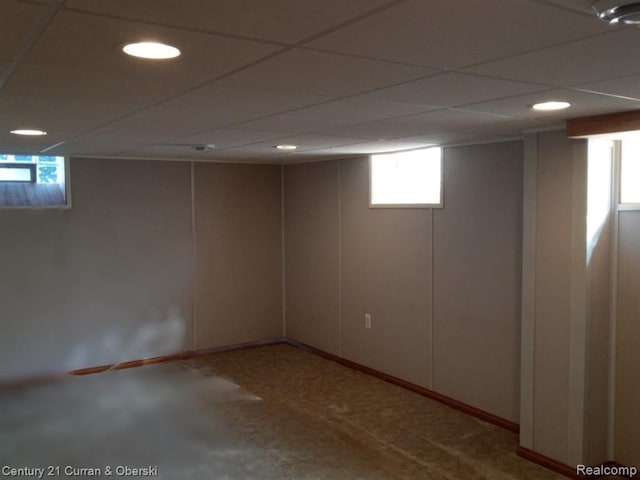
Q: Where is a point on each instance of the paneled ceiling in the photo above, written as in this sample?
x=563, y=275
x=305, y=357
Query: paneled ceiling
x=335, y=77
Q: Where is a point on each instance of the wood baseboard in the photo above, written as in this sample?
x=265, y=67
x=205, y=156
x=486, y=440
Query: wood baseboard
x=463, y=407
x=54, y=377
x=563, y=469
x=177, y=356
x=547, y=462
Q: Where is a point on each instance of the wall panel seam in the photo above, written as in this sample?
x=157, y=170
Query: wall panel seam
x=339, y=194
x=194, y=260
x=283, y=252
x=528, y=307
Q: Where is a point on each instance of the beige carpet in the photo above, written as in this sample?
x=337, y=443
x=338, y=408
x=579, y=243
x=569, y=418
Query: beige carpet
x=319, y=420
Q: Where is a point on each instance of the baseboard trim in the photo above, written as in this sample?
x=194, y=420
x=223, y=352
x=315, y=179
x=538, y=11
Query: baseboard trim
x=178, y=356
x=547, y=462
x=456, y=404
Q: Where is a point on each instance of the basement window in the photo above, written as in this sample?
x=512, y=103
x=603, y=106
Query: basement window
x=33, y=181
x=410, y=179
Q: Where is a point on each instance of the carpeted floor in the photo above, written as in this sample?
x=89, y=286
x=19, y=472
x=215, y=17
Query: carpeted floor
x=304, y=417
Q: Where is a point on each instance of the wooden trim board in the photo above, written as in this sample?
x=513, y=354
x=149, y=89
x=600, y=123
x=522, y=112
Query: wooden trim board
x=463, y=407
x=178, y=356
x=607, y=123
x=547, y=462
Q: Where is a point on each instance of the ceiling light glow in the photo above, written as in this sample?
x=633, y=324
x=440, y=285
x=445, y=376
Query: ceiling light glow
x=28, y=132
x=626, y=12
x=550, y=106
x=286, y=147
x=151, y=50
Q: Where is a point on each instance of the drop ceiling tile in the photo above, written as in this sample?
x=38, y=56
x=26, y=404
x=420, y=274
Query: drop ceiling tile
x=382, y=146
x=583, y=6
x=449, y=119
x=18, y=20
x=160, y=151
x=582, y=104
x=97, y=143
x=452, y=137
x=291, y=123
x=51, y=114
x=276, y=20
x=16, y=144
x=315, y=156
x=91, y=43
x=220, y=97
x=166, y=123
x=597, y=58
x=357, y=111
x=446, y=34
x=624, y=86
x=320, y=73
x=81, y=85
x=230, y=137
x=512, y=127
x=262, y=153
x=451, y=89
x=313, y=142
x=384, y=129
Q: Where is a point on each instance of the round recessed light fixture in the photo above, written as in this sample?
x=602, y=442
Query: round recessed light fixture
x=28, y=132
x=550, y=106
x=151, y=50
x=286, y=147
x=626, y=12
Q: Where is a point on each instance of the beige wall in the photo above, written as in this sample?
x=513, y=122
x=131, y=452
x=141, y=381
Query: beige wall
x=477, y=276
x=80, y=287
x=238, y=253
x=401, y=265
x=598, y=294
x=386, y=272
x=627, y=393
x=312, y=253
x=566, y=324
x=552, y=295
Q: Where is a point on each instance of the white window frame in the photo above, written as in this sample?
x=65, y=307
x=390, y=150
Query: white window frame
x=440, y=203
x=618, y=160
x=67, y=190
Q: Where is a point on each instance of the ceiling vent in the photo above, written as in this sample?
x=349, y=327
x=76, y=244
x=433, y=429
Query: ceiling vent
x=626, y=12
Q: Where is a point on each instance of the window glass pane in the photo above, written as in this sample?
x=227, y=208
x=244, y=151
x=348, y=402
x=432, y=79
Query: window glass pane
x=32, y=181
x=630, y=170
x=407, y=178
x=15, y=175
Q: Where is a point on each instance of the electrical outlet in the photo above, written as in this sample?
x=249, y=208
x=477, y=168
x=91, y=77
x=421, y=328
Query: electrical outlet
x=367, y=320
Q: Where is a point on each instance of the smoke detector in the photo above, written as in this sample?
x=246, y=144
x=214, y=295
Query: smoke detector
x=626, y=12
x=204, y=147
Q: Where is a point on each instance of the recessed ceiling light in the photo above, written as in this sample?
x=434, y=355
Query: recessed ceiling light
x=550, y=106
x=152, y=50
x=286, y=147
x=618, y=11
x=28, y=132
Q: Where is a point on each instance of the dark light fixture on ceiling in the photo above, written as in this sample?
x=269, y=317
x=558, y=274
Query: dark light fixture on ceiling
x=202, y=147
x=626, y=12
